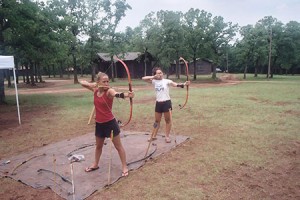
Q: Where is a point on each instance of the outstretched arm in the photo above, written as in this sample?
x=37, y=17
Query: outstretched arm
x=174, y=84
x=112, y=93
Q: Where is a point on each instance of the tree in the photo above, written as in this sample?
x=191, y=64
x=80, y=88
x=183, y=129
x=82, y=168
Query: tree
x=267, y=26
x=143, y=38
x=148, y=36
x=58, y=47
x=115, y=12
x=219, y=35
x=196, y=25
x=171, y=37
x=289, y=47
x=23, y=32
x=252, y=48
x=94, y=27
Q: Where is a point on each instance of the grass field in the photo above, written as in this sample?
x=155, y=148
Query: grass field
x=245, y=141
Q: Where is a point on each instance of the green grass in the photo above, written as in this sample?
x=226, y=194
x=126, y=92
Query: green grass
x=247, y=107
x=262, y=77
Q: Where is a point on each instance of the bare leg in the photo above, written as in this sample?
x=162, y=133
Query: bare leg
x=118, y=145
x=157, y=121
x=98, y=152
x=168, y=121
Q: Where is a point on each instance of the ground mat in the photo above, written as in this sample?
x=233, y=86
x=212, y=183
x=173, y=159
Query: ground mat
x=60, y=166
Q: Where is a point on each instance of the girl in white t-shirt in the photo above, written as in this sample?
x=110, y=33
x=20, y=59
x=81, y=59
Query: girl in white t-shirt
x=163, y=101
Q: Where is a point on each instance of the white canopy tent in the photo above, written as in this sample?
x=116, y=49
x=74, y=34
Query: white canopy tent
x=7, y=62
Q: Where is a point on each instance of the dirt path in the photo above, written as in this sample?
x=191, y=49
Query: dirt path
x=51, y=86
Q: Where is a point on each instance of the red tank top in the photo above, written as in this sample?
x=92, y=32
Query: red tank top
x=103, y=107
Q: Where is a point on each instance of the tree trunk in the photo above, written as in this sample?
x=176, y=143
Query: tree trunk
x=245, y=71
x=31, y=74
x=145, y=62
x=17, y=76
x=68, y=73
x=214, y=74
x=2, y=94
x=256, y=68
x=169, y=72
x=53, y=70
x=92, y=66
x=27, y=73
x=179, y=66
x=273, y=68
x=24, y=72
x=195, y=67
x=8, y=78
x=36, y=72
x=176, y=68
x=39, y=73
x=270, y=55
x=93, y=72
x=112, y=69
x=75, y=69
x=145, y=67
x=49, y=73
x=116, y=71
x=61, y=71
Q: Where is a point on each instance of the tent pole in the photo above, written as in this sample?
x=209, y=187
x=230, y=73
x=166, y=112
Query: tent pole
x=17, y=98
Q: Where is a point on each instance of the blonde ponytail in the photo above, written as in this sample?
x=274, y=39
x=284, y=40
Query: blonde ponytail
x=100, y=75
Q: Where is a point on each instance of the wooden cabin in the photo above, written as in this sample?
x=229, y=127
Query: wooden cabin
x=203, y=66
x=139, y=64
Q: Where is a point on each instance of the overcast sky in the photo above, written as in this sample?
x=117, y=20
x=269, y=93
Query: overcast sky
x=242, y=12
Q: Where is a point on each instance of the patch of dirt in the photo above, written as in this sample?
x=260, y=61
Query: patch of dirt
x=47, y=87
x=55, y=86
x=278, y=179
x=228, y=77
x=279, y=103
x=259, y=100
x=292, y=112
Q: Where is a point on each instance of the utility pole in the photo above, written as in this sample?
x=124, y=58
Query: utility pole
x=270, y=54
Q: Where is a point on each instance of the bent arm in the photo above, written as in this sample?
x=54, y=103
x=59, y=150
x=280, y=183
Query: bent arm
x=88, y=85
x=148, y=78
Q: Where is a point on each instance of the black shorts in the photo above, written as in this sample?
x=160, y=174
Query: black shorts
x=103, y=130
x=163, y=106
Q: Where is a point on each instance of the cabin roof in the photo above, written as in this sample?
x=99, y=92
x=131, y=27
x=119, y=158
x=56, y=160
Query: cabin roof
x=124, y=56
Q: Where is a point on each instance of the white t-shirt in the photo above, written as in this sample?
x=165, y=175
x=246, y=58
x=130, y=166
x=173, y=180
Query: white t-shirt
x=162, y=89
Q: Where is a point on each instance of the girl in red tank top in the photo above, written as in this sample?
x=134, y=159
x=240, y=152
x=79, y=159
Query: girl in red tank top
x=103, y=106
x=105, y=120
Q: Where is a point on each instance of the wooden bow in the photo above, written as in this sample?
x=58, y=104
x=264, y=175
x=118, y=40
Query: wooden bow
x=130, y=89
x=187, y=79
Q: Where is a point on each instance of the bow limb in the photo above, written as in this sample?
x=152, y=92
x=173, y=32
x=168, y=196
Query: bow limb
x=130, y=89
x=187, y=79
